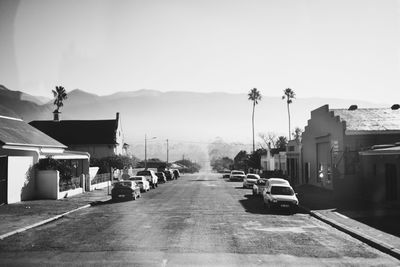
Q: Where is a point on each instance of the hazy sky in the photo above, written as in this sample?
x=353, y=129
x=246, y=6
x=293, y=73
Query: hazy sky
x=344, y=49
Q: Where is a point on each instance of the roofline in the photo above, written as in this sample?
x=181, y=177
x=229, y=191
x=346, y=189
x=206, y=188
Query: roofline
x=35, y=145
x=379, y=152
x=70, y=120
x=366, y=132
x=10, y=118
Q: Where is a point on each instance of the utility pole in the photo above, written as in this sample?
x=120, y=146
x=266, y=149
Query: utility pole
x=167, y=152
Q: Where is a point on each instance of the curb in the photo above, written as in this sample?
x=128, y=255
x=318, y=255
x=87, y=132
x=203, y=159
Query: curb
x=383, y=247
x=42, y=222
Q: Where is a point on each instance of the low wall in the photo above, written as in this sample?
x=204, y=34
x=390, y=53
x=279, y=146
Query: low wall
x=69, y=193
x=100, y=185
x=47, y=184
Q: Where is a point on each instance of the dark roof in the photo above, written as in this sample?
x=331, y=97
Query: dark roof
x=79, y=132
x=17, y=132
x=372, y=120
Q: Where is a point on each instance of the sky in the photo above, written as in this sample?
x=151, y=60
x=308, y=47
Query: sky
x=344, y=48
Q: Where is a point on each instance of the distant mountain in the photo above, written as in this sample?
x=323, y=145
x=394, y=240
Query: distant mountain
x=182, y=117
x=39, y=100
x=15, y=104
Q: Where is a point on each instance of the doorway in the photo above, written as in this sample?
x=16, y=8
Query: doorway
x=3, y=179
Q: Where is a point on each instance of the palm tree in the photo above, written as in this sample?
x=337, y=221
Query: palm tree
x=60, y=95
x=255, y=96
x=289, y=95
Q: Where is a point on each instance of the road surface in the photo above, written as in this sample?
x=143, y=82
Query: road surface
x=197, y=220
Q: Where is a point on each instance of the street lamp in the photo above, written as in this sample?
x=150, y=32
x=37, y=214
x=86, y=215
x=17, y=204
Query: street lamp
x=145, y=149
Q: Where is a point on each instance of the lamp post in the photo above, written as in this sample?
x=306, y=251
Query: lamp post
x=145, y=149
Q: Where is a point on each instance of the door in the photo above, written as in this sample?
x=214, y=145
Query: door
x=391, y=182
x=3, y=179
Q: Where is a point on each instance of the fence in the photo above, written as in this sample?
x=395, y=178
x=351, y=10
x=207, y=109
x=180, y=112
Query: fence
x=100, y=178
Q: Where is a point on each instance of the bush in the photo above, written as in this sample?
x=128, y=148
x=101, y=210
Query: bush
x=116, y=162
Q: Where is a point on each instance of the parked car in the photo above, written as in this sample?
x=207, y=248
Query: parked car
x=259, y=186
x=141, y=182
x=271, y=181
x=176, y=173
x=150, y=176
x=280, y=196
x=125, y=189
x=250, y=180
x=161, y=177
x=226, y=173
x=169, y=174
x=237, y=176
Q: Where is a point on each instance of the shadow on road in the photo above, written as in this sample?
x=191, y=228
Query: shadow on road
x=254, y=204
x=382, y=217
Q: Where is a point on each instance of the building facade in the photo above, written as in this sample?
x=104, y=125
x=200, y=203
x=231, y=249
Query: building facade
x=333, y=139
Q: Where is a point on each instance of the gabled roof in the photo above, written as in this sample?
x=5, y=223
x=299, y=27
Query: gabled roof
x=369, y=120
x=17, y=132
x=80, y=132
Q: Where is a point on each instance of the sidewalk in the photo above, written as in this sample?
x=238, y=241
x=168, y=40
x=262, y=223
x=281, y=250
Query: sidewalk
x=376, y=225
x=28, y=214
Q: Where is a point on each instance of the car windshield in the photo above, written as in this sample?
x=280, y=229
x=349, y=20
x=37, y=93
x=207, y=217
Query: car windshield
x=237, y=172
x=251, y=176
x=261, y=182
x=282, y=190
x=143, y=173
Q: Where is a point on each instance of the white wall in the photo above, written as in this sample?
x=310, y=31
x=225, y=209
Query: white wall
x=47, y=184
x=21, y=180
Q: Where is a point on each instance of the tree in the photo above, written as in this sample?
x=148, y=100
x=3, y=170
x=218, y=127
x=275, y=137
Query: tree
x=269, y=139
x=281, y=143
x=297, y=134
x=288, y=95
x=255, y=158
x=221, y=164
x=255, y=96
x=60, y=95
x=241, y=160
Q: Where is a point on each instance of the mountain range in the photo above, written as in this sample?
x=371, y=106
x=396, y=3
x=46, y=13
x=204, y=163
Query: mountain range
x=181, y=117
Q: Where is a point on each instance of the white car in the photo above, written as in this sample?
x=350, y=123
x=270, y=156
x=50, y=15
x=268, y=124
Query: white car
x=142, y=182
x=273, y=180
x=237, y=176
x=250, y=180
x=280, y=196
x=150, y=176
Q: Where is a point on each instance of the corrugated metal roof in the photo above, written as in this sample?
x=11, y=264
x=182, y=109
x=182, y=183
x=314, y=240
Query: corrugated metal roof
x=79, y=132
x=369, y=120
x=17, y=132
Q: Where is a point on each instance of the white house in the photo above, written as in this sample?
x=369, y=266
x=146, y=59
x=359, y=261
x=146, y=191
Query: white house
x=22, y=146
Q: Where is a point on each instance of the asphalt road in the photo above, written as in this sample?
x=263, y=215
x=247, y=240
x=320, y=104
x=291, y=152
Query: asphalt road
x=198, y=220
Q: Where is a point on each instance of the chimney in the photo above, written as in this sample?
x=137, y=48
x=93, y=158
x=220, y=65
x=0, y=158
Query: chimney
x=56, y=115
x=353, y=107
x=395, y=107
